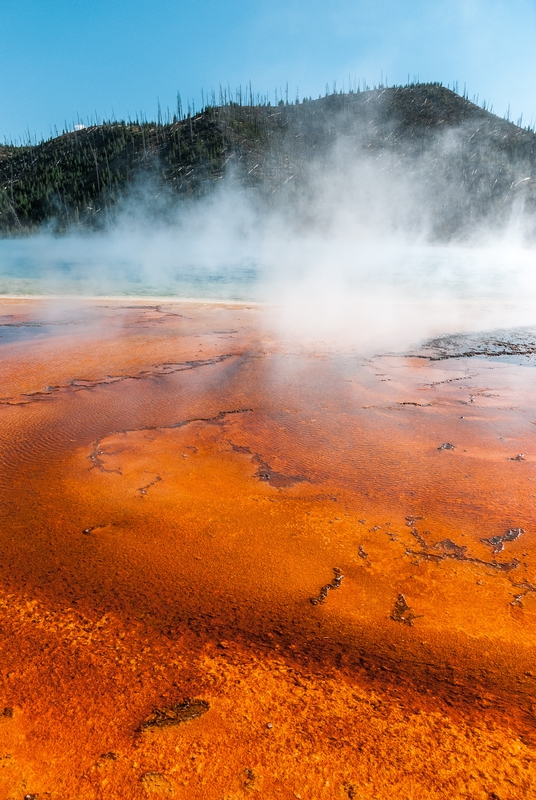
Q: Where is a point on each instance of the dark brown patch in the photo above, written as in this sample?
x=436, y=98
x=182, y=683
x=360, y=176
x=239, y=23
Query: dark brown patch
x=176, y=714
x=402, y=612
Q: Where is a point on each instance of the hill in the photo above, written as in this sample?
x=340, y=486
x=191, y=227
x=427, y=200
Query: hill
x=473, y=164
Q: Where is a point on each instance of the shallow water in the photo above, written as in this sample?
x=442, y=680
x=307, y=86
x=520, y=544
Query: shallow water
x=50, y=266
x=119, y=264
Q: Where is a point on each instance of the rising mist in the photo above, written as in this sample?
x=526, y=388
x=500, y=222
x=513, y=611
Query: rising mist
x=371, y=238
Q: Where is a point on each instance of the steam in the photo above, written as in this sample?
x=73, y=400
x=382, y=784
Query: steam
x=354, y=253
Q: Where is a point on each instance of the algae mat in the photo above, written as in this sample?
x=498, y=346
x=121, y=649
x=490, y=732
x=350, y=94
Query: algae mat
x=232, y=565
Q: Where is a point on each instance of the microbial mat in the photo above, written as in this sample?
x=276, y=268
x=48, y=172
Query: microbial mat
x=232, y=564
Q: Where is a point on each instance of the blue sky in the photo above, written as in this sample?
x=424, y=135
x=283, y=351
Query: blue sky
x=60, y=59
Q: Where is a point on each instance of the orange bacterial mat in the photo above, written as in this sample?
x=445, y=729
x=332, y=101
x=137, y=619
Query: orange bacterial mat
x=231, y=567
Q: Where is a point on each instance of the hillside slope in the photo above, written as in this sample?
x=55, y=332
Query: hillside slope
x=473, y=164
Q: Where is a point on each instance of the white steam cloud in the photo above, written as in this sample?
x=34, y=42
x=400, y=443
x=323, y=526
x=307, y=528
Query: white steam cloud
x=350, y=257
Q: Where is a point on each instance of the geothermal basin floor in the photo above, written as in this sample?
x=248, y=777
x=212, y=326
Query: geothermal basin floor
x=235, y=566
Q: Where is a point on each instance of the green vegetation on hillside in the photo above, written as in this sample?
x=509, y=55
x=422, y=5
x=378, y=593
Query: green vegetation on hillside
x=79, y=177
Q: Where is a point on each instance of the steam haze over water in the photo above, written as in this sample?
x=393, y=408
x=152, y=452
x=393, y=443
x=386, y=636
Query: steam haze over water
x=351, y=259
x=382, y=294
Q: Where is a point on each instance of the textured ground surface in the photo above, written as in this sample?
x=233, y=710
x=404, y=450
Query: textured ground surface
x=230, y=566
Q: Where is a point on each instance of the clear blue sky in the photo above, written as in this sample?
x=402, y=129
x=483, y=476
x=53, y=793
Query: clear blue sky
x=63, y=58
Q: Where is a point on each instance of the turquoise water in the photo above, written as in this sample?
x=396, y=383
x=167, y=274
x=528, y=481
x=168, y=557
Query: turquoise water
x=48, y=266
x=292, y=270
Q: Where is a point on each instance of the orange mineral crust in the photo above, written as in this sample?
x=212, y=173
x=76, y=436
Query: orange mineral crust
x=233, y=564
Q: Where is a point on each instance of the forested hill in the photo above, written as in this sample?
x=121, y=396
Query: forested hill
x=486, y=163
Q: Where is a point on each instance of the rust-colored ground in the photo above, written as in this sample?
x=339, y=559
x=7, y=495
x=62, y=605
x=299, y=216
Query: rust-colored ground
x=177, y=486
